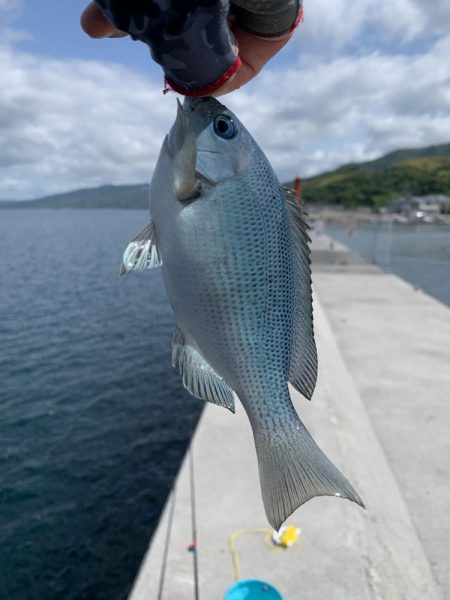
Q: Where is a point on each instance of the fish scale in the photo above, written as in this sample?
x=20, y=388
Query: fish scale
x=233, y=247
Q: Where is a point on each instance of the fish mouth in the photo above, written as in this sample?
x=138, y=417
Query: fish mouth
x=205, y=105
x=194, y=166
x=182, y=147
x=179, y=130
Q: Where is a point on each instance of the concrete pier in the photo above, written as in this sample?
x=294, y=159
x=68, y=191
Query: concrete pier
x=380, y=412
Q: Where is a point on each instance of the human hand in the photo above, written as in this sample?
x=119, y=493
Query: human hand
x=233, y=62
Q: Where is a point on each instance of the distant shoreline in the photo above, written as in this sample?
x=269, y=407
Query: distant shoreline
x=326, y=214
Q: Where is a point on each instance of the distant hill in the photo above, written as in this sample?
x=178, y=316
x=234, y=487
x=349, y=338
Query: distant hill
x=106, y=196
x=374, y=183
x=417, y=172
x=388, y=160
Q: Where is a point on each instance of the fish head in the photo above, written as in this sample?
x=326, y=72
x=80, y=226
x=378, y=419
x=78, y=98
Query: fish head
x=208, y=145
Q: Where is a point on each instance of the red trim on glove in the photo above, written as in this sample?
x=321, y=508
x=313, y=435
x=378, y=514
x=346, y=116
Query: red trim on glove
x=205, y=91
x=298, y=20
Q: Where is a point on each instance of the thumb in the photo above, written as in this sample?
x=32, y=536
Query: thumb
x=94, y=22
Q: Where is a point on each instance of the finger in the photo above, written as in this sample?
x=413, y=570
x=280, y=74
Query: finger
x=96, y=25
x=254, y=52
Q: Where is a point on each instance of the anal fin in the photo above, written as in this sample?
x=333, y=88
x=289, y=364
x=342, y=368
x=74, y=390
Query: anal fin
x=199, y=378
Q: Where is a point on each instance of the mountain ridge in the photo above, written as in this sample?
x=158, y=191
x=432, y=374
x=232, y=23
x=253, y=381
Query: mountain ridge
x=104, y=196
x=408, y=171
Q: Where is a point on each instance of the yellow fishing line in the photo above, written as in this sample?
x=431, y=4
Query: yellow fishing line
x=289, y=537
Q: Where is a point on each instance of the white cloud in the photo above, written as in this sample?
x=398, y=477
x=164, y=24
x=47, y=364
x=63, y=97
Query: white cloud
x=349, y=109
x=67, y=124
x=10, y=7
x=369, y=78
x=334, y=26
x=435, y=16
x=330, y=27
x=9, y=11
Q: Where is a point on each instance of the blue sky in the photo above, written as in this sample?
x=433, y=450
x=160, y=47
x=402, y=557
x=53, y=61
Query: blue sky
x=55, y=30
x=354, y=82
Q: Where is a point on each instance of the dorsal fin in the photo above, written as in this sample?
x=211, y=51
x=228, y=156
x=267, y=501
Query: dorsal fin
x=199, y=378
x=303, y=368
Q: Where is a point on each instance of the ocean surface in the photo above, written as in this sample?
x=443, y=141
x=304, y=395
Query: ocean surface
x=93, y=418
x=420, y=253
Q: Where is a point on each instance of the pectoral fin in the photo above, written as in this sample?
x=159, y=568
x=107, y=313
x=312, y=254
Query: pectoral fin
x=199, y=378
x=142, y=252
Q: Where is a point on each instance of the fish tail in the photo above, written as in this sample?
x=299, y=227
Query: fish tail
x=293, y=469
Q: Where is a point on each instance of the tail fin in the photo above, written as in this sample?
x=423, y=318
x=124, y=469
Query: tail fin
x=293, y=469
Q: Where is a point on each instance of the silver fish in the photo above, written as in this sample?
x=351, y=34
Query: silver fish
x=233, y=247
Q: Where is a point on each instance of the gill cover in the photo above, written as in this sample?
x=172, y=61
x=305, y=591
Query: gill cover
x=223, y=146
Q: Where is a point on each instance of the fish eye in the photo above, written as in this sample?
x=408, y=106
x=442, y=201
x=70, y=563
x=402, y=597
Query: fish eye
x=225, y=127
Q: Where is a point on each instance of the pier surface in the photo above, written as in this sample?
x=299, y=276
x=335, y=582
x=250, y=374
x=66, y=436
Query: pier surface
x=380, y=412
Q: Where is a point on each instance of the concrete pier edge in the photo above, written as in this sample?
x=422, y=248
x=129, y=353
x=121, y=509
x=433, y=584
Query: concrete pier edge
x=344, y=552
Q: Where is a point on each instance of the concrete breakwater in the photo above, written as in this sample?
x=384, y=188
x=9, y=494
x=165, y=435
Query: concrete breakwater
x=379, y=412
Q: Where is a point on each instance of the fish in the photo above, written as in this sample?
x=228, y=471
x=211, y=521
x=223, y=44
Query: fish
x=233, y=246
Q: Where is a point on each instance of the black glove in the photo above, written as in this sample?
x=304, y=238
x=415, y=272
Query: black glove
x=191, y=39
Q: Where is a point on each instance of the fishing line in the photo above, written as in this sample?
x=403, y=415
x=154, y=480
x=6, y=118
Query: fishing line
x=272, y=542
x=167, y=543
x=193, y=523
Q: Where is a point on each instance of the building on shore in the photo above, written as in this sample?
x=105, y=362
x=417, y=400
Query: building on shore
x=421, y=208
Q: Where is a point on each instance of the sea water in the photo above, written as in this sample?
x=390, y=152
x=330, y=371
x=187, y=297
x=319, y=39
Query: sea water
x=419, y=253
x=93, y=418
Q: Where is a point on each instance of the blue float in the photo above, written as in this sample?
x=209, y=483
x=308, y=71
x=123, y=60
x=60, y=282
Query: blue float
x=252, y=589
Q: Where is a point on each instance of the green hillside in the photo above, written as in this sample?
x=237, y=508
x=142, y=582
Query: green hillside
x=377, y=182
x=392, y=158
